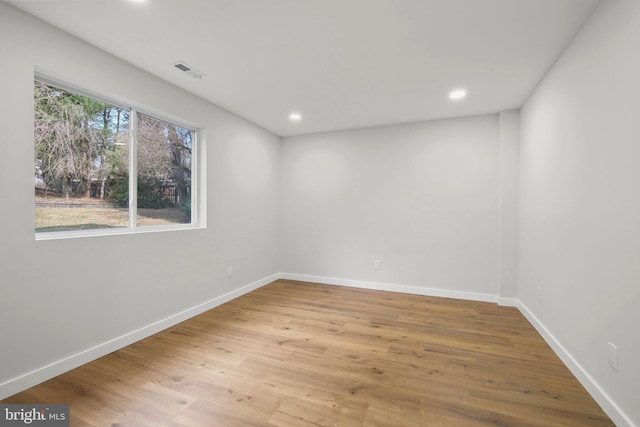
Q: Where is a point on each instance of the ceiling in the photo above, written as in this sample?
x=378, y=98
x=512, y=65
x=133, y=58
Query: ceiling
x=342, y=64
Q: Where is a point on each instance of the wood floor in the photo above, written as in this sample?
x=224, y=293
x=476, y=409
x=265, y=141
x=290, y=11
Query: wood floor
x=299, y=354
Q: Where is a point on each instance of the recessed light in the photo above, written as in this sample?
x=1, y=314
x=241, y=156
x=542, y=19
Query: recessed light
x=295, y=117
x=457, y=94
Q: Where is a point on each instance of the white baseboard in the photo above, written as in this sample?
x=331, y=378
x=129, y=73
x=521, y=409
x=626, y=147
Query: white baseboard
x=22, y=382
x=507, y=302
x=381, y=286
x=608, y=405
x=604, y=400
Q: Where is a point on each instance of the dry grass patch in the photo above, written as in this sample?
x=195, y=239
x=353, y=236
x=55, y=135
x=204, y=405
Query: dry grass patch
x=54, y=218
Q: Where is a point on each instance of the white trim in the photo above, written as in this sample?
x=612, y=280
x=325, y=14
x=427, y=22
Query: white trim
x=22, y=382
x=195, y=176
x=99, y=232
x=132, y=170
x=609, y=406
x=601, y=397
x=507, y=302
x=46, y=78
x=382, y=286
x=37, y=376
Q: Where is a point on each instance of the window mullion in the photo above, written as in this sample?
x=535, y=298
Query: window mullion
x=133, y=171
x=194, y=178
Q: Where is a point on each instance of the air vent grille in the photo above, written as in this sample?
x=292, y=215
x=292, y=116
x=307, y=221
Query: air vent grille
x=180, y=65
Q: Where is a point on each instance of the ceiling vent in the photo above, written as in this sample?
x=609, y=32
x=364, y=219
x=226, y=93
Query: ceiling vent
x=189, y=70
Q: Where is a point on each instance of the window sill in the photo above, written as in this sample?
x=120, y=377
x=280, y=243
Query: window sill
x=56, y=235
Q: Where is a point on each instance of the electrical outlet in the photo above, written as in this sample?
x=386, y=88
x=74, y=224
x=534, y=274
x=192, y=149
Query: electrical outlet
x=229, y=271
x=613, y=357
x=377, y=264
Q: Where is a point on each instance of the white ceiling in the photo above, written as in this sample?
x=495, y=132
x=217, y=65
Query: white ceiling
x=343, y=64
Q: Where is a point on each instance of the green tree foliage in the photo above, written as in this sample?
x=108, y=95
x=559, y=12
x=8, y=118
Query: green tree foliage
x=78, y=141
x=164, y=161
x=81, y=151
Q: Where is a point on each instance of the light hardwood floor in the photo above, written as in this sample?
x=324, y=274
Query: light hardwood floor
x=299, y=354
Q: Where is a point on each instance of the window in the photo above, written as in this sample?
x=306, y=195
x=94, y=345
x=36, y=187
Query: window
x=163, y=172
x=100, y=166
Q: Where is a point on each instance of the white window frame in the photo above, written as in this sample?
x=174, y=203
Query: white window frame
x=133, y=227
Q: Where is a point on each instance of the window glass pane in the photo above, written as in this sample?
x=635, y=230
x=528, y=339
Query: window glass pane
x=164, y=165
x=81, y=161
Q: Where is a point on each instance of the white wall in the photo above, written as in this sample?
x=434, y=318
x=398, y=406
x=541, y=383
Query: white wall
x=421, y=197
x=508, y=205
x=60, y=298
x=579, y=234
x=434, y=201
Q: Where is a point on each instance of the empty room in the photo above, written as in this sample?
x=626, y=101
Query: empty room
x=320, y=213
